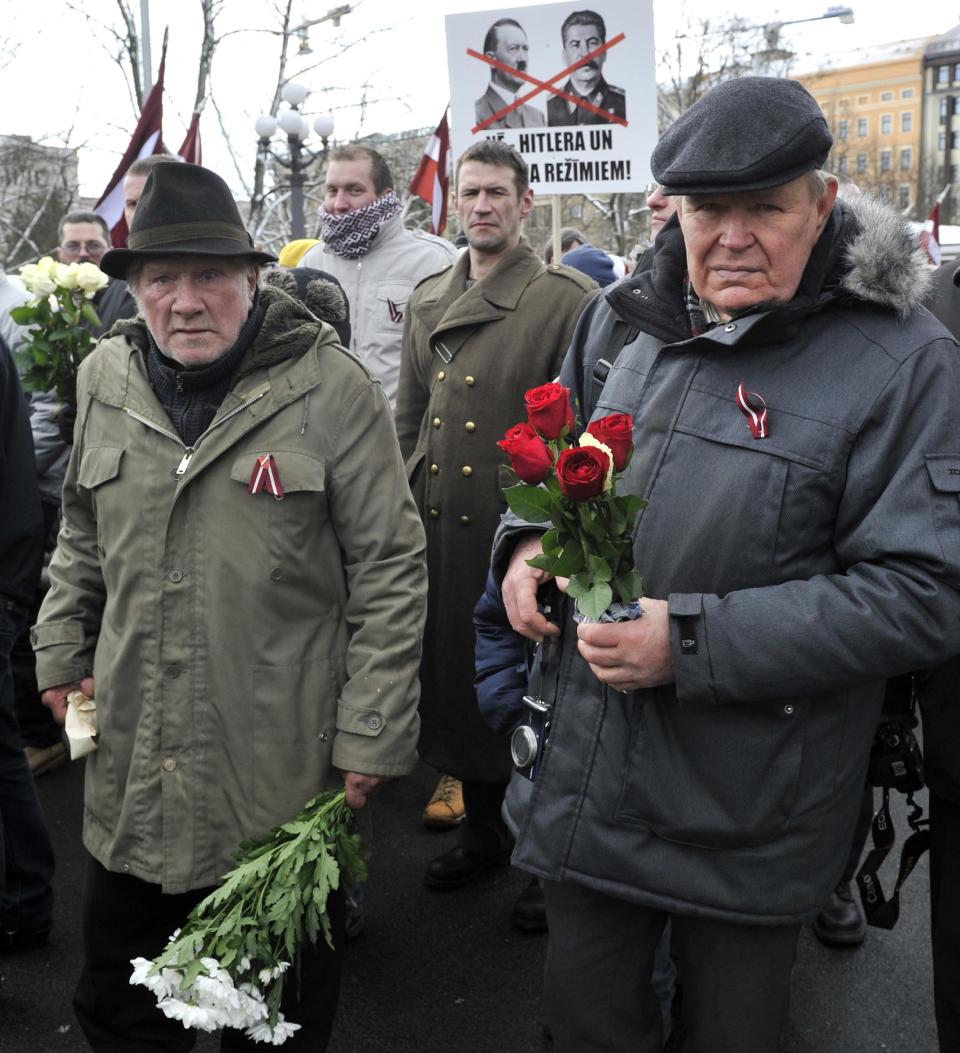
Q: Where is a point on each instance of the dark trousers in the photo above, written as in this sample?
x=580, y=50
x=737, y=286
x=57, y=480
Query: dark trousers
x=125, y=918
x=26, y=854
x=945, y=918
x=37, y=726
x=483, y=829
x=600, y=959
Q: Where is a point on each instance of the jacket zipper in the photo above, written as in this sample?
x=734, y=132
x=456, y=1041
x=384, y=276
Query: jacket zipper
x=189, y=451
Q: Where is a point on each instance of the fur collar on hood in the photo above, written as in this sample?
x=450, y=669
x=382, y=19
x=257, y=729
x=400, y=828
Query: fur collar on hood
x=866, y=252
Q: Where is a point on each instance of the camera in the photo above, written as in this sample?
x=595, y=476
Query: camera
x=895, y=759
x=528, y=741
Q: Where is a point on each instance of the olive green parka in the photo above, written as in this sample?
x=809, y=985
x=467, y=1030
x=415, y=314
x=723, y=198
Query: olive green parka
x=245, y=648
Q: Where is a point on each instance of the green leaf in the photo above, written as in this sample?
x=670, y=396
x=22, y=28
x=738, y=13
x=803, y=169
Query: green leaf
x=629, y=586
x=529, y=503
x=600, y=569
x=90, y=314
x=550, y=542
x=570, y=561
x=24, y=315
x=544, y=561
x=595, y=601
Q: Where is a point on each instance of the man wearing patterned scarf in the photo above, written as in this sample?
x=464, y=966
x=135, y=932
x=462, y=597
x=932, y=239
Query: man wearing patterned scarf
x=374, y=257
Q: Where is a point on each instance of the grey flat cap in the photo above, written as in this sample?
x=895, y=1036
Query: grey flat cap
x=745, y=134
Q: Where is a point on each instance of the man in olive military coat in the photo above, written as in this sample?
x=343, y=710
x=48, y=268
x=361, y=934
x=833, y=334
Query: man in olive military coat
x=476, y=337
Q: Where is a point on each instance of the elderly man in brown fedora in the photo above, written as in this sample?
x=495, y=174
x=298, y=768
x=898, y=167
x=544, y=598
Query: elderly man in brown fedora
x=239, y=583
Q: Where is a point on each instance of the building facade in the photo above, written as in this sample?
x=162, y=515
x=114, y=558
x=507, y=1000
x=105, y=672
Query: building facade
x=941, y=123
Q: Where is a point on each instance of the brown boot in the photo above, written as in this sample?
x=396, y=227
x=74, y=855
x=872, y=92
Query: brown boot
x=445, y=808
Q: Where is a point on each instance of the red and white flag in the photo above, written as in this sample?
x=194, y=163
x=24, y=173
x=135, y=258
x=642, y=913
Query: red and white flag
x=432, y=180
x=147, y=139
x=190, y=147
x=930, y=236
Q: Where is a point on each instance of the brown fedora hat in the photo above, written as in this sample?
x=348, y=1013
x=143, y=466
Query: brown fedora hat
x=185, y=210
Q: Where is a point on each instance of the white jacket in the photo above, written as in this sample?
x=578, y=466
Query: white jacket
x=377, y=286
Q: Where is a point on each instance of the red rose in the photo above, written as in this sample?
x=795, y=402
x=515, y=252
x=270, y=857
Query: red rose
x=529, y=454
x=582, y=471
x=615, y=431
x=549, y=409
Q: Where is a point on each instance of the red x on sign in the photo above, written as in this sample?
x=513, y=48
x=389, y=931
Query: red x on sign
x=547, y=85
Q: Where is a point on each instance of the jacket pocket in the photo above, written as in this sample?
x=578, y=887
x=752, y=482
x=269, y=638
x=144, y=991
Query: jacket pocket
x=98, y=465
x=944, y=472
x=391, y=306
x=718, y=777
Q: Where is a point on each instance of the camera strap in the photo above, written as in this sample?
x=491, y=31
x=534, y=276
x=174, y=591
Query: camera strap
x=880, y=911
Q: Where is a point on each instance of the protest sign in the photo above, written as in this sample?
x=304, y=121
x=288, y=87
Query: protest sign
x=572, y=88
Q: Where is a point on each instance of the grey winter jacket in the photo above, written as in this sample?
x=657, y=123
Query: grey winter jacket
x=801, y=570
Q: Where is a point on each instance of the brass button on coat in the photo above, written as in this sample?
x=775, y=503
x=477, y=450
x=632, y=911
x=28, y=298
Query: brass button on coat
x=470, y=426
x=441, y=375
x=434, y=513
x=436, y=422
x=169, y=764
x=176, y=575
x=434, y=469
x=469, y=381
x=465, y=520
x=467, y=470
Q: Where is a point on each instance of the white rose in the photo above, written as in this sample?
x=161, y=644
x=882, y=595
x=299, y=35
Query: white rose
x=587, y=439
x=91, y=279
x=53, y=302
x=67, y=275
x=37, y=279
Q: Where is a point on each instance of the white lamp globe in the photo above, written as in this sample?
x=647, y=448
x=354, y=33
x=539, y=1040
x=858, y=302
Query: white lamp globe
x=292, y=123
x=265, y=125
x=323, y=126
x=295, y=94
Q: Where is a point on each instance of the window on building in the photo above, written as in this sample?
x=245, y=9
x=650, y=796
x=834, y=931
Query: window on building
x=862, y=100
x=956, y=72
x=906, y=159
x=886, y=160
x=886, y=96
x=844, y=104
x=956, y=105
x=863, y=127
x=886, y=124
x=943, y=75
x=843, y=129
x=942, y=141
x=944, y=107
x=907, y=93
x=903, y=198
x=906, y=121
x=861, y=163
x=843, y=166
x=575, y=211
x=886, y=193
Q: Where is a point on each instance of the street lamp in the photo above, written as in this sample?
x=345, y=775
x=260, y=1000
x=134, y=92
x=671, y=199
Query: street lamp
x=297, y=129
x=302, y=31
x=771, y=31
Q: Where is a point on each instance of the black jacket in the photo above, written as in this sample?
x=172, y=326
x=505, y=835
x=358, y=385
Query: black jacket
x=21, y=521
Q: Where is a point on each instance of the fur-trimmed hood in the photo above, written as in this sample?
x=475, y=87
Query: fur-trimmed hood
x=885, y=261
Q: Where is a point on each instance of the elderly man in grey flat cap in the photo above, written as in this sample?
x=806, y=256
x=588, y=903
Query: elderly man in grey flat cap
x=796, y=437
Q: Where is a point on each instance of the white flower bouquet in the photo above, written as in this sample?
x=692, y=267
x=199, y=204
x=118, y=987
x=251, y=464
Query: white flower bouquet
x=59, y=316
x=226, y=966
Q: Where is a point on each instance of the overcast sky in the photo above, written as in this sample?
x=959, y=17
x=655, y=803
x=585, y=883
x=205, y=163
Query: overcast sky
x=59, y=80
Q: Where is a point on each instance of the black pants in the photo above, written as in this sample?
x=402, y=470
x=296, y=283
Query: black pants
x=945, y=918
x=600, y=959
x=124, y=918
x=483, y=829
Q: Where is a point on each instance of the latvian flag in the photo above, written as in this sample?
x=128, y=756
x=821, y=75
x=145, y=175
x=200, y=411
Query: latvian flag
x=432, y=181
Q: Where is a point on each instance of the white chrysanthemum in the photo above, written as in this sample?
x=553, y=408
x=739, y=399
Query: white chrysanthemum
x=274, y=1036
x=586, y=439
x=200, y=1017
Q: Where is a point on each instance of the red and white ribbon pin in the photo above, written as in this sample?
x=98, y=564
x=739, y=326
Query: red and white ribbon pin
x=754, y=409
x=266, y=477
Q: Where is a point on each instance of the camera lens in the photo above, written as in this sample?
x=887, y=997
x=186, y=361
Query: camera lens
x=523, y=746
